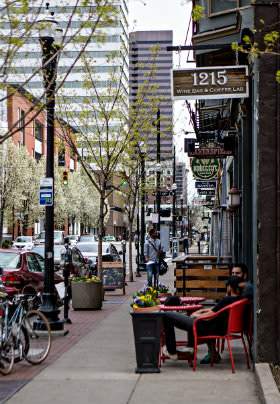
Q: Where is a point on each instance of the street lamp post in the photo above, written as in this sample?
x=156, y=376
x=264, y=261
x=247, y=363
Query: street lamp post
x=50, y=38
x=158, y=170
x=182, y=226
x=142, y=265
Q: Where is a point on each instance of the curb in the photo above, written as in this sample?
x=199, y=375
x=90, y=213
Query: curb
x=268, y=390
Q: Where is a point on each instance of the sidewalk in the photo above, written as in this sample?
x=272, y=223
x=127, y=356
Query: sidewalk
x=99, y=367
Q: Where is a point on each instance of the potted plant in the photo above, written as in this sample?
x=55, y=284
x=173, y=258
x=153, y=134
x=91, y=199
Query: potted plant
x=87, y=292
x=163, y=290
x=146, y=320
x=145, y=300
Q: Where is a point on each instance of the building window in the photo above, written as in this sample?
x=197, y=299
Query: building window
x=38, y=131
x=21, y=123
x=33, y=153
x=217, y=7
x=61, y=157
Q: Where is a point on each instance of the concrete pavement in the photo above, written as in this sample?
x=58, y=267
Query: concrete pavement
x=99, y=368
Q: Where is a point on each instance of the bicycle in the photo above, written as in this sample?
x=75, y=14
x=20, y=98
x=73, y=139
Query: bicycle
x=24, y=332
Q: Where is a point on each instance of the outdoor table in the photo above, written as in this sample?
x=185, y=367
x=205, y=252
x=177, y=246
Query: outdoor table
x=184, y=307
x=186, y=299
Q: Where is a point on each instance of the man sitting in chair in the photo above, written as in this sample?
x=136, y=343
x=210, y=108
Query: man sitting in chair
x=218, y=325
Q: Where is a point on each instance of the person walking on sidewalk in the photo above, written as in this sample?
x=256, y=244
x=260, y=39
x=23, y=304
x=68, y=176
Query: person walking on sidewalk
x=197, y=238
x=152, y=253
x=186, y=244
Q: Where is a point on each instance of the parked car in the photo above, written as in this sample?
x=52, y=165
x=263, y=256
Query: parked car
x=110, y=238
x=23, y=272
x=58, y=237
x=73, y=238
x=90, y=253
x=79, y=265
x=23, y=242
x=88, y=237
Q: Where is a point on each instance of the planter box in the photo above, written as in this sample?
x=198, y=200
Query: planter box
x=87, y=295
x=147, y=330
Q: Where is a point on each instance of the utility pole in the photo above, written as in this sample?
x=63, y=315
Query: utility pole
x=158, y=169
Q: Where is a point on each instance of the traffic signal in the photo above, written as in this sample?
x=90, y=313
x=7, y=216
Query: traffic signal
x=123, y=181
x=65, y=178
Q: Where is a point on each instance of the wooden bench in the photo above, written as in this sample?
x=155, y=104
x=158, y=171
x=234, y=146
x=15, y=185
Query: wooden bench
x=201, y=276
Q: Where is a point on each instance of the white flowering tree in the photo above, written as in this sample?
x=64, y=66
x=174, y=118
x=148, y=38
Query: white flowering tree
x=13, y=163
x=113, y=134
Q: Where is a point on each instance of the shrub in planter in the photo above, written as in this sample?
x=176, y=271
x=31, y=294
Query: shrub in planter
x=87, y=293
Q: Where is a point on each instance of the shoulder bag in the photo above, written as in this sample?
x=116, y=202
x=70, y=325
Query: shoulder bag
x=163, y=266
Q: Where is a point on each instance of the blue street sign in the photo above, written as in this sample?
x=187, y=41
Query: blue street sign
x=46, y=192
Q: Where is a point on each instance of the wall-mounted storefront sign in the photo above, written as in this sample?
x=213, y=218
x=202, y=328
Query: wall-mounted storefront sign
x=211, y=82
x=205, y=184
x=205, y=169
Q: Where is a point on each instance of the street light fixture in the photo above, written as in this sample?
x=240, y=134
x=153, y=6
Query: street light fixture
x=50, y=38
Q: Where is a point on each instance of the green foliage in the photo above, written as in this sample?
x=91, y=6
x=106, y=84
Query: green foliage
x=6, y=244
x=278, y=76
x=198, y=12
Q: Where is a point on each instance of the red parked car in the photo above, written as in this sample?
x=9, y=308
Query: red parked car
x=23, y=272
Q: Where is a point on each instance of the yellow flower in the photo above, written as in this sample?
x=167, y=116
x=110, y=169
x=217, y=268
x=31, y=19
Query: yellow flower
x=142, y=298
x=151, y=289
x=135, y=306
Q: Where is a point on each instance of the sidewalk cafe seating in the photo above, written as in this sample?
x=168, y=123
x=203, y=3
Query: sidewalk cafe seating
x=235, y=330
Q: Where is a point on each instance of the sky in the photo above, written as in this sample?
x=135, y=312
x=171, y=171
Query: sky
x=172, y=15
x=168, y=15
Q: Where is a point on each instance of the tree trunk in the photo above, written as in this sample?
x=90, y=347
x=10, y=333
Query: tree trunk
x=100, y=236
x=1, y=226
x=130, y=252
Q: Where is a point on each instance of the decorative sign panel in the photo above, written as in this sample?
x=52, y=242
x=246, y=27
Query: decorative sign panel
x=211, y=82
x=205, y=169
x=206, y=152
x=205, y=184
x=206, y=191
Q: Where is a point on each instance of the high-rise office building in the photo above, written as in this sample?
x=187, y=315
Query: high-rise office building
x=142, y=48
x=79, y=24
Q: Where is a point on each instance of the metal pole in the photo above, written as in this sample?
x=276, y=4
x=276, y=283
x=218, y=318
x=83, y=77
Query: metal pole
x=142, y=241
x=182, y=227
x=137, y=246
x=174, y=198
x=48, y=306
x=158, y=171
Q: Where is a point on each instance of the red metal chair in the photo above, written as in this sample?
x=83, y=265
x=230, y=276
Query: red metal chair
x=235, y=330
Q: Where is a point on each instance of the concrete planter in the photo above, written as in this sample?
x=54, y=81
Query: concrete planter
x=87, y=295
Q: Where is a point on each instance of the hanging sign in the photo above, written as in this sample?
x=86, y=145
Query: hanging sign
x=205, y=184
x=210, y=82
x=206, y=191
x=205, y=169
x=206, y=152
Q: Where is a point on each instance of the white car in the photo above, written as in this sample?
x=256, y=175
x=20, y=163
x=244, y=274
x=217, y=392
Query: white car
x=23, y=242
x=73, y=238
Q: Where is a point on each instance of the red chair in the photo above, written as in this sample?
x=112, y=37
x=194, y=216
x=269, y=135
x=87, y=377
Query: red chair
x=235, y=330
